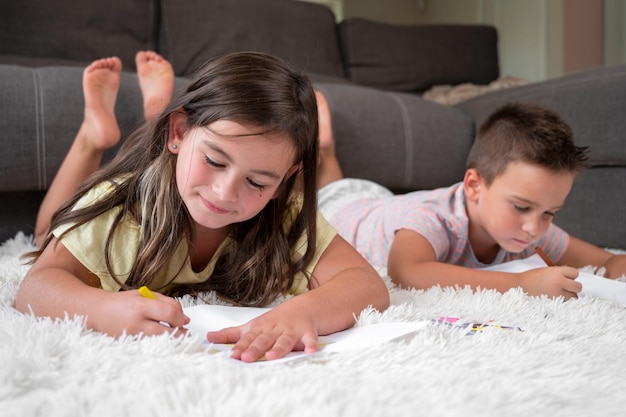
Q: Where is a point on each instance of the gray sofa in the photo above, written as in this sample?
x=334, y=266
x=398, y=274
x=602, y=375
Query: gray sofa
x=372, y=73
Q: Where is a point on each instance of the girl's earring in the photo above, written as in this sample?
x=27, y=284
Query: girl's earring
x=174, y=146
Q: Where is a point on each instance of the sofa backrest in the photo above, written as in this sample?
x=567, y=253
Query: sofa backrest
x=46, y=32
x=189, y=32
x=417, y=57
x=193, y=31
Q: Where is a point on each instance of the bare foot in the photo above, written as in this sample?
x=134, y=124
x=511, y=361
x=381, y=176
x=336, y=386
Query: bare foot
x=101, y=82
x=156, y=81
x=325, y=126
x=329, y=169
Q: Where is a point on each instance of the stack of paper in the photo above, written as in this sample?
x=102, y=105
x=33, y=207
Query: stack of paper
x=593, y=285
x=205, y=318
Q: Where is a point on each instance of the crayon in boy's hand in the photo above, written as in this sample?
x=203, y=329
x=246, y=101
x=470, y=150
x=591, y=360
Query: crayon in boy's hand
x=543, y=256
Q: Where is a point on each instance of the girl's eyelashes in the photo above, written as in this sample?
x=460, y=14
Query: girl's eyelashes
x=256, y=185
x=215, y=164
x=212, y=162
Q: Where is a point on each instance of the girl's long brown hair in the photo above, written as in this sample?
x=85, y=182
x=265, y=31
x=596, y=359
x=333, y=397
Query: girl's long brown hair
x=251, y=88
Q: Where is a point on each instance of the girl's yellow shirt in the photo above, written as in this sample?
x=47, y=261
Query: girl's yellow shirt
x=87, y=244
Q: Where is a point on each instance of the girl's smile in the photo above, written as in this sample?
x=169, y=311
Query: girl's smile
x=213, y=207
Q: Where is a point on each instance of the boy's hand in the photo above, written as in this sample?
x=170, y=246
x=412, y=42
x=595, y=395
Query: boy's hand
x=615, y=266
x=271, y=335
x=554, y=281
x=130, y=312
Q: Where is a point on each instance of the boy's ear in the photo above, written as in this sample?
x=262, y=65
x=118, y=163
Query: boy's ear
x=177, y=130
x=472, y=184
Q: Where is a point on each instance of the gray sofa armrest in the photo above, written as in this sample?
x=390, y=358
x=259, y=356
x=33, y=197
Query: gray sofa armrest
x=592, y=102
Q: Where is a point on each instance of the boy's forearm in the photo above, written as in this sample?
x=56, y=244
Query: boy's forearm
x=615, y=266
x=428, y=274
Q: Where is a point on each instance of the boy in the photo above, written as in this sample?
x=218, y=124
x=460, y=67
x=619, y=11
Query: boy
x=519, y=172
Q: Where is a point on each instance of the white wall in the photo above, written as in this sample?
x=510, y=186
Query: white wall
x=614, y=32
x=530, y=37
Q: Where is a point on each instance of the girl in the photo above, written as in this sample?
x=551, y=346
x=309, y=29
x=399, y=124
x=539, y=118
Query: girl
x=203, y=197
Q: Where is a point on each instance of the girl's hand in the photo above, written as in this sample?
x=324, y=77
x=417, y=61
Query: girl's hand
x=270, y=336
x=58, y=285
x=344, y=285
x=130, y=312
x=552, y=281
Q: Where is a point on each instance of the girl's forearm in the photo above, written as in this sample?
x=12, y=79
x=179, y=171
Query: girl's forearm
x=55, y=293
x=342, y=298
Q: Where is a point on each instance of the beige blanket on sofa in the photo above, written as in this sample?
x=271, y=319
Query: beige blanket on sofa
x=450, y=95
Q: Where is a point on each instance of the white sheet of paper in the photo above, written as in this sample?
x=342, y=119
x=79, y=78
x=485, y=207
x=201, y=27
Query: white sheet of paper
x=205, y=318
x=593, y=285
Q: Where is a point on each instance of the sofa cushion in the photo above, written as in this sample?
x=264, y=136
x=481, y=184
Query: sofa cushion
x=33, y=61
x=43, y=107
x=398, y=140
x=304, y=34
x=594, y=209
x=77, y=30
x=414, y=58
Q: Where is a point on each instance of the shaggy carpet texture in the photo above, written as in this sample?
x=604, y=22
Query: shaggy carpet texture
x=568, y=359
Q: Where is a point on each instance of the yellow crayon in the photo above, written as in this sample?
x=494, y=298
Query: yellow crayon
x=145, y=291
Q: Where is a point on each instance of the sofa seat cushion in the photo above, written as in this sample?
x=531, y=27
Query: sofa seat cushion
x=193, y=31
x=415, y=58
x=29, y=61
x=43, y=107
x=595, y=208
x=398, y=140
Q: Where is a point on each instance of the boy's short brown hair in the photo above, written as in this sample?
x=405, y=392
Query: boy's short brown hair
x=522, y=132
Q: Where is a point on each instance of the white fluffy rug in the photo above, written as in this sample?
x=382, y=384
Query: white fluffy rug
x=570, y=359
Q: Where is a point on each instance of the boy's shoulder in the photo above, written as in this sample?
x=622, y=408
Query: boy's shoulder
x=438, y=196
x=441, y=208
